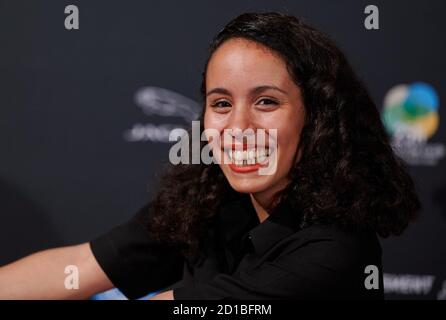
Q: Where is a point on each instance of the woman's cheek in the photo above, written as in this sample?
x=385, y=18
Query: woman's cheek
x=289, y=139
x=215, y=120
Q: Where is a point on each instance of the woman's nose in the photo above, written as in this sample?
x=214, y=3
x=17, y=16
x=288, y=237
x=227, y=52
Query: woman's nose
x=239, y=128
x=239, y=119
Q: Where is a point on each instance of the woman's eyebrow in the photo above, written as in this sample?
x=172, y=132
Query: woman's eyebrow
x=260, y=89
x=253, y=91
x=218, y=90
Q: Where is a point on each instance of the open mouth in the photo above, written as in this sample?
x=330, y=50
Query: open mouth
x=249, y=159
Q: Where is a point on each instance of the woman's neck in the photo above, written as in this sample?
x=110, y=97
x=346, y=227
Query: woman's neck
x=260, y=208
x=263, y=200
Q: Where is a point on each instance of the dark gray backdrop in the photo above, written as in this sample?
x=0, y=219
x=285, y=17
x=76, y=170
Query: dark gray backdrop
x=67, y=172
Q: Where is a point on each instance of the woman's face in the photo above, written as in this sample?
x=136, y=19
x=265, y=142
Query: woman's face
x=248, y=87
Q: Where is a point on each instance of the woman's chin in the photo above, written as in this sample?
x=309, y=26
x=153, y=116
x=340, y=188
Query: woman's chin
x=247, y=182
x=247, y=185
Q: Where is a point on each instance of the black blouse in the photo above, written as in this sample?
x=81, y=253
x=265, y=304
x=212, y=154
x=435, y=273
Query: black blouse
x=245, y=259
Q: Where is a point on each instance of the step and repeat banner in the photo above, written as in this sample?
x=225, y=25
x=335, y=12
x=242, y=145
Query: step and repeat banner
x=90, y=90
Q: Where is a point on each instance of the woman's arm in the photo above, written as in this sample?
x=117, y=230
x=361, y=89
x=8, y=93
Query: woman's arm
x=42, y=275
x=168, y=295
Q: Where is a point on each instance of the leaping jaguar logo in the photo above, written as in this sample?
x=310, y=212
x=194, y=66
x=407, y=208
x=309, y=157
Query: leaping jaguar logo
x=167, y=103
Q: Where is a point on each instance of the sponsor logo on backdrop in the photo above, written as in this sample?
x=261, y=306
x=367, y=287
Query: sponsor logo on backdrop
x=410, y=115
x=165, y=104
x=442, y=293
x=408, y=284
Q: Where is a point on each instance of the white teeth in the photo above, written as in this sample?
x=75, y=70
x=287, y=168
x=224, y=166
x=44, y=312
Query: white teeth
x=238, y=155
x=248, y=157
x=251, y=157
x=261, y=155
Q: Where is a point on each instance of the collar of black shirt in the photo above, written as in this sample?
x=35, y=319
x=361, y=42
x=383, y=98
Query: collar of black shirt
x=238, y=221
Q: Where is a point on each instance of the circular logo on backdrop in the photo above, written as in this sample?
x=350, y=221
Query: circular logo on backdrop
x=411, y=110
x=410, y=115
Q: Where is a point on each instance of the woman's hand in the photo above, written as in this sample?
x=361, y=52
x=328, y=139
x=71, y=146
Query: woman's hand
x=167, y=295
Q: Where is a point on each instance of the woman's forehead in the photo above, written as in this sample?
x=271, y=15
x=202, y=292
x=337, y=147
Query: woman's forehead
x=244, y=64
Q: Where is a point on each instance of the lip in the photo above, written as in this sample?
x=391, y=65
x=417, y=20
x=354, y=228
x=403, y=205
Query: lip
x=245, y=169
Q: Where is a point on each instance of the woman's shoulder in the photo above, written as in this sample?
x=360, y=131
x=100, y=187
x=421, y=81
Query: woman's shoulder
x=356, y=241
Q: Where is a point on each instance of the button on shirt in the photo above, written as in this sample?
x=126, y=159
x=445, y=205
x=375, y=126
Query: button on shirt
x=245, y=259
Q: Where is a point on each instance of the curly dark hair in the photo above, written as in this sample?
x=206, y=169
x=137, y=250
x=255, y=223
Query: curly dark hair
x=348, y=173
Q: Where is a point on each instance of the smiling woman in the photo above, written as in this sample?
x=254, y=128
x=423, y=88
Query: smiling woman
x=306, y=230
x=309, y=229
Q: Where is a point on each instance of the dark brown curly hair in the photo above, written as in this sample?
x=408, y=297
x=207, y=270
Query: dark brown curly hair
x=348, y=173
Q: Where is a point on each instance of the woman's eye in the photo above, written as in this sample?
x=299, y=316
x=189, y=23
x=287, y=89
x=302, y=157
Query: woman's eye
x=267, y=101
x=221, y=104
